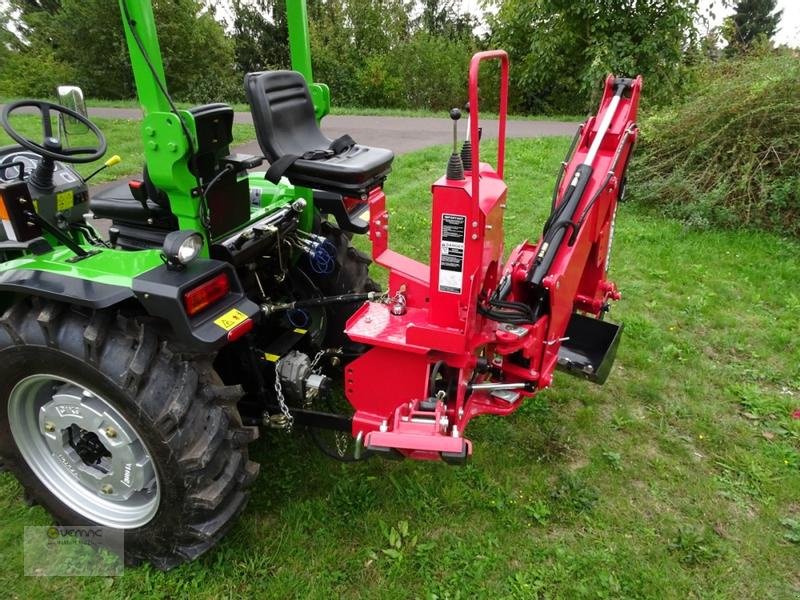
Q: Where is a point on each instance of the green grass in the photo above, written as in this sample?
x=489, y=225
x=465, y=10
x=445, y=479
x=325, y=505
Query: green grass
x=339, y=110
x=677, y=479
x=124, y=138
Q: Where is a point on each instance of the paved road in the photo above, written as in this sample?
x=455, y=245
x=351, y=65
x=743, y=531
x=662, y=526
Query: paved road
x=400, y=134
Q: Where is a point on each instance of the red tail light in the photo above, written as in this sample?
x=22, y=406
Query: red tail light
x=204, y=295
x=237, y=332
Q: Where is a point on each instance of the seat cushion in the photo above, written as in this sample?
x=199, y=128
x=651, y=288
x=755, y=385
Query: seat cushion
x=118, y=204
x=285, y=122
x=359, y=169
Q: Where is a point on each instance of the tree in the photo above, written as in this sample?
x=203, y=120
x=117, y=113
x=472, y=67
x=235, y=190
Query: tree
x=440, y=17
x=753, y=20
x=355, y=44
x=562, y=49
x=84, y=40
x=260, y=35
x=6, y=39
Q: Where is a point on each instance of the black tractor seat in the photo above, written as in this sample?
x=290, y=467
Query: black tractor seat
x=129, y=202
x=137, y=202
x=291, y=140
x=139, y=222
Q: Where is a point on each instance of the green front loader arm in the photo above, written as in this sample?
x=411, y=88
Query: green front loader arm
x=168, y=139
x=300, y=51
x=169, y=136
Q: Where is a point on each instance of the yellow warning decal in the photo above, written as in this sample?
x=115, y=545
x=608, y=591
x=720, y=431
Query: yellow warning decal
x=271, y=357
x=231, y=319
x=301, y=331
x=65, y=201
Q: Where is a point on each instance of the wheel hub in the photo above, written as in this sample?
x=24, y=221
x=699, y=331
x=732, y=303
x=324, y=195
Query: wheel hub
x=88, y=446
x=84, y=451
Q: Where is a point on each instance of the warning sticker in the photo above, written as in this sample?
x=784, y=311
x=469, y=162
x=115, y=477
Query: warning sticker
x=451, y=256
x=65, y=200
x=231, y=319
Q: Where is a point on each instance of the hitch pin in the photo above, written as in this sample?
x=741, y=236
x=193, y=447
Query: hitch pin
x=494, y=385
x=556, y=341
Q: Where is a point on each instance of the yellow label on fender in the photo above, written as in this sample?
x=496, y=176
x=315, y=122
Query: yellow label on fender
x=231, y=319
x=65, y=201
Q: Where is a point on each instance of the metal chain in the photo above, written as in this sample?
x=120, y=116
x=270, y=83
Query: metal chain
x=287, y=416
x=315, y=368
x=342, y=442
x=342, y=439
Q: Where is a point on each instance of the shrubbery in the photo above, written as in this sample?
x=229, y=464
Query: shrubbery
x=729, y=153
x=81, y=42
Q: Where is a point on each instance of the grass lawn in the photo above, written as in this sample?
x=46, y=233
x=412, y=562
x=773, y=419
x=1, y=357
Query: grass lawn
x=124, y=138
x=680, y=478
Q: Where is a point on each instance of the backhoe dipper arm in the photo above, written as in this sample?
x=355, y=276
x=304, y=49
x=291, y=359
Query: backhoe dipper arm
x=566, y=270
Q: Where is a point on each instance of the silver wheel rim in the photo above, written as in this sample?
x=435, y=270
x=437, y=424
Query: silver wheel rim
x=84, y=451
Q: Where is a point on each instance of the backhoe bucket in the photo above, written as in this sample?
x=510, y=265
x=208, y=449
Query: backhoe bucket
x=590, y=348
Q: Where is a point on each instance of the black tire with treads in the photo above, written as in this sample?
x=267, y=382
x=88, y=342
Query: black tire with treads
x=176, y=403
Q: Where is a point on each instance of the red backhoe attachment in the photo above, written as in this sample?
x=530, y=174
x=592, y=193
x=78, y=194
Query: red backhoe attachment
x=469, y=334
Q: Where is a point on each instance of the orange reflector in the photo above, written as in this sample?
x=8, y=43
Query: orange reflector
x=204, y=295
x=240, y=330
x=6, y=227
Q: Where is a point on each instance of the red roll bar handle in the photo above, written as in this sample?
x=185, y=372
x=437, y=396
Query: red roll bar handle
x=474, y=70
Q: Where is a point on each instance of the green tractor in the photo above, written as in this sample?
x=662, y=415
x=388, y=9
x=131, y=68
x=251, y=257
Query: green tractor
x=137, y=364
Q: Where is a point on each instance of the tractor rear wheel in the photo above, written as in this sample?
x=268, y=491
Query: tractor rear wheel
x=104, y=423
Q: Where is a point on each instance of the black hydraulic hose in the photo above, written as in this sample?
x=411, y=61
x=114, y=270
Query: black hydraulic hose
x=329, y=300
x=556, y=228
x=563, y=168
x=611, y=172
x=504, y=311
x=214, y=180
x=321, y=301
x=437, y=366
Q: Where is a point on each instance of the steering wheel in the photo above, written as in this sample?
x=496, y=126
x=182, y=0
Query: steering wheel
x=51, y=147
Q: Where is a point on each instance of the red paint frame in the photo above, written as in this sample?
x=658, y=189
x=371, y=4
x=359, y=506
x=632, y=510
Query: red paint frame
x=387, y=384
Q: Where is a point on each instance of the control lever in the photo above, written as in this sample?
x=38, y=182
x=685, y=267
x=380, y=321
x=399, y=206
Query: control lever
x=466, y=148
x=455, y=168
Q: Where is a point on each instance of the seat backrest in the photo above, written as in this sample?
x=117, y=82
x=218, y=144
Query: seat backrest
x=283, y=114
x=214, y=128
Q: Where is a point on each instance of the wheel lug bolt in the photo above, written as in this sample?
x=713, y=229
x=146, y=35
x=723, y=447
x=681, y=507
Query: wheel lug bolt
x=107, y=489
x=49, y=427
x=111, y=432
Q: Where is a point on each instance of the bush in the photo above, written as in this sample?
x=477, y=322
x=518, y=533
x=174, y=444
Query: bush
x=425, y=71
x=562, y=50
x=82, y=43
x=728, y=154
x=33, y=74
